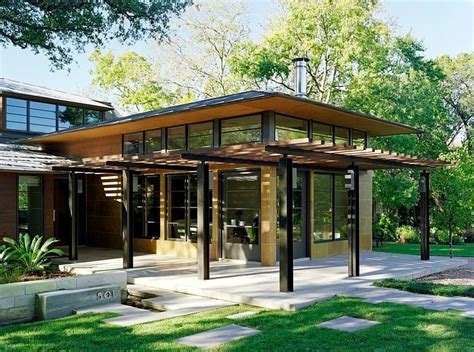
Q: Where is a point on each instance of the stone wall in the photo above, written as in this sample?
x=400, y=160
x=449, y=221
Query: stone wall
x=17, y=300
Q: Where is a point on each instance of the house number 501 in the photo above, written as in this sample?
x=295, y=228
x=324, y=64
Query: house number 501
x=105, y=295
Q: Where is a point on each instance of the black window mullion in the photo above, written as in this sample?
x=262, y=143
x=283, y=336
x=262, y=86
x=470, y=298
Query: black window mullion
x=28, y=115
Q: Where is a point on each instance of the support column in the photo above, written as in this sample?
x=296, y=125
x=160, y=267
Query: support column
x=203, y=233
x=353, y=222
x=425, y=214
x=127, y=185
x=285, y=203
x=73, y=255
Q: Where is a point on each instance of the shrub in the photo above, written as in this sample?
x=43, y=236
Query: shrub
x=385, y=227
x=468, y=235
x=407, y=234
x=30, y=255
x=442, y=237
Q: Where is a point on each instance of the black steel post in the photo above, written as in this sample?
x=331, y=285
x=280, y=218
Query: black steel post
x=285, y=221
x=353, y=222
x=425, y=214
x=73, y=255
x=203, y=235
x=127, y=188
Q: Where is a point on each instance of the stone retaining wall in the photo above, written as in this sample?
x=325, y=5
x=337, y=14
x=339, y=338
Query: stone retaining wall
x=17, y=300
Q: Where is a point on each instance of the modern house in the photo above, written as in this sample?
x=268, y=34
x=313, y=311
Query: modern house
x=257, y=176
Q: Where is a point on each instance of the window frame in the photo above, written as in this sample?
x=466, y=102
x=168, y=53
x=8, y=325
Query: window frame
x=307, y=122
x=17, y=201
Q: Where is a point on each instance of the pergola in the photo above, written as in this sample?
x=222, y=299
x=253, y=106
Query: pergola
x=285, y=155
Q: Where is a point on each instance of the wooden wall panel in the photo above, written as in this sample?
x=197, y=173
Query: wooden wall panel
x=8, y=206
x=103, y=211
x=48, y=205
x=90, y=148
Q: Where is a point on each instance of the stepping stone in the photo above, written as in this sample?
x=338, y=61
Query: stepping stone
x=241, y=315
x=348, y=324
x=216, y=337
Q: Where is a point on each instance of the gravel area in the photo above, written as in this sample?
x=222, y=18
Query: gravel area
x=463, y=275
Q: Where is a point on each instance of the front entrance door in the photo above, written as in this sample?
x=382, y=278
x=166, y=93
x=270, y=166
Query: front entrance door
x=241, y=215
x=61, y=215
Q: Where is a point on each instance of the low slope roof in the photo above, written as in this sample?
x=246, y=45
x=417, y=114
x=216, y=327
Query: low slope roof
x=21, y=88
x=25, y=158
x=245, y=103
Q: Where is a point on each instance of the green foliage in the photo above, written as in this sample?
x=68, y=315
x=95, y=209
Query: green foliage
x=385, y=227
x=407, y=234
x=428, y=288
x=130, y=76
x=461, y=250
x=56, y=28
x=441, y=236
x=30, y=255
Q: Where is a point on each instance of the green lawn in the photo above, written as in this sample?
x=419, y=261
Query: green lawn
x=402, y=328
x=461, y=250
x=426, y=287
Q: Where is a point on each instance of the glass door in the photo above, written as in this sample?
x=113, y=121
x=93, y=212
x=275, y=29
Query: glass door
x=241, y=215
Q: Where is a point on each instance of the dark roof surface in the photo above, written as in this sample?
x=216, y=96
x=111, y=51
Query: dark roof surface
x=16, y=87
x=223, y=100
x=25, y=158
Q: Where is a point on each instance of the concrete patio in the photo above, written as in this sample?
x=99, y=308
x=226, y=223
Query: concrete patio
x=251, y=283
x=315, y=280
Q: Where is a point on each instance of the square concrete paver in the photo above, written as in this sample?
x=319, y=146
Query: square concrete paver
x=241, y=315
x=348, y=324
x=216, y=337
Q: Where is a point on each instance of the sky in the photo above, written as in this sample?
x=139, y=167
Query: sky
x=444, y=26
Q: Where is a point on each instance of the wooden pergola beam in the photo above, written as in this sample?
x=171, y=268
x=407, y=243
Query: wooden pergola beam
x=143, y=165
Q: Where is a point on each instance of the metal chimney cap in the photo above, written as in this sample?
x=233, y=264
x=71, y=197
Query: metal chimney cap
x=300, y=59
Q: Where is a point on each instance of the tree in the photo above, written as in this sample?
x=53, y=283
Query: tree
x=195, y=55
x=340, y=38
x=459, y=94
x=452, y=194
x=57, y=27
x=131, y=78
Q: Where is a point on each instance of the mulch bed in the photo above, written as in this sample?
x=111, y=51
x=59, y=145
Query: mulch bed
x=45, y=275
x=463, y=275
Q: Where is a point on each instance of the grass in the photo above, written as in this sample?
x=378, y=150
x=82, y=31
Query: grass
x=402, y=328
x=460, y=250
x=426, y=287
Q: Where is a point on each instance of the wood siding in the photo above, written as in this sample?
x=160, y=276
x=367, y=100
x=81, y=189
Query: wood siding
x=91, y=148
x=8, y=208
x=103, y=211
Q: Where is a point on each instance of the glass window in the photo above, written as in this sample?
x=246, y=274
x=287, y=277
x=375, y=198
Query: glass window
x=322, y=207
x=92, y=117
x=152, y=141
x=358, y=138
x=176, y=138
x=322, y=132
x=340, y=207
x=16, y=115
x=146, y=206
x=30, y=205
x=288, y=128
x=69, y=116
x=241, y=130
x=200, y=135
x=133, y=143
x=241, y=208
x=42, y=117
x=182, y=201
x=341, y=135
x=152, y=211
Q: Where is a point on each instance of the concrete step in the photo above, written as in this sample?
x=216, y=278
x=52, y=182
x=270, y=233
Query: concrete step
x=172, y=301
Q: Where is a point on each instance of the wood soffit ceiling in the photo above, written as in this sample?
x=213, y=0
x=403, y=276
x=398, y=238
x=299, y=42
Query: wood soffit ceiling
x=280, y=103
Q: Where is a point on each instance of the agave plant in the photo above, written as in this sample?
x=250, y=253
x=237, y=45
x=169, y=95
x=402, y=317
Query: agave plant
x=31, y=255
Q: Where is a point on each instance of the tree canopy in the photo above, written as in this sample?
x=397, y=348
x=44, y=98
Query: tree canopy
x=57, y=28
